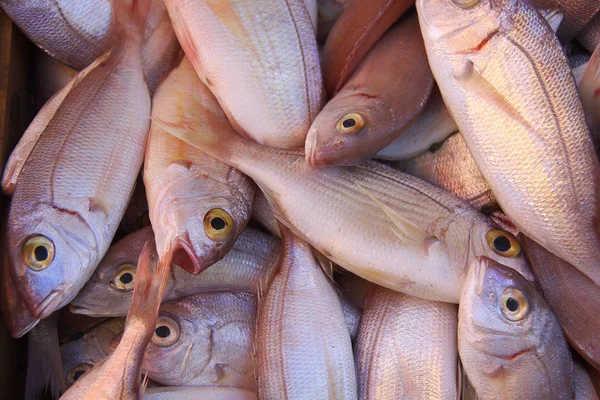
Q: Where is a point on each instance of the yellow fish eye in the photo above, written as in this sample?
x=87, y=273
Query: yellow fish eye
x=350, y=123
x=465, y=3
x=38, y=252
x=77, y=372
x=218, y=224
x=503, y=243
x=514, y=304
x=166, y=332
x=124, y=278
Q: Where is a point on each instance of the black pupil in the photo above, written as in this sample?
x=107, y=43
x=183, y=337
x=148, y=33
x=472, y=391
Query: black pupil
x=217, y=223
x=348, y=123
x=501, y=243
x=78, y=374
x=512, y=304
x=126, y=278
x=41, y=253
x=162, y=331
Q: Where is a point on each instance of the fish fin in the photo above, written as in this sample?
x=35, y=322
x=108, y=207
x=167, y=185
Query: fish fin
x=553, y=16
x=480, y=87
x=404, y=229
x=589, y=89
x=99, y=204
x=144, y=385
x=325, y=263
x=131, y=13
x=44, y=364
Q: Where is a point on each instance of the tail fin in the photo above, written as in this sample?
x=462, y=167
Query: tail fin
x=131, y=14
x=149, y=288
x=45, y=376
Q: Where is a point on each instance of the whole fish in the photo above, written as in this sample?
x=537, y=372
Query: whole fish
x=506, y=81
x=406, y=348
x=359, y=26
x=381, y=224
x=433, y=126
x=204, y=340
x=576, y=14
x=452, y=168
x=589, y=37
x=584, y=388
x=385, y=94
x=301, y=333
x=119, y=374
x=193, y=393
x=246, y=267
x=572, y=296
x=510, y=343
x=262, y=50
x=76, y=183
x=198, y=205
x=79, y=356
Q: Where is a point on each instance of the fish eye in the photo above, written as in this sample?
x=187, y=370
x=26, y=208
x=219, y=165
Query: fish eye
x=166, y=332
x=465, y=3
x=503, y=243
x=124, y=278
x=77, y=372
x=38, y=252
x=218, y=224
x=350, y=123
x=514, y=304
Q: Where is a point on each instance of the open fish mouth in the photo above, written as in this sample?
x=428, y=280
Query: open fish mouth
x=50, y=304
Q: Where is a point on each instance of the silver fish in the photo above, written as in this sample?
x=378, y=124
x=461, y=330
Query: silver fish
x=194, y=393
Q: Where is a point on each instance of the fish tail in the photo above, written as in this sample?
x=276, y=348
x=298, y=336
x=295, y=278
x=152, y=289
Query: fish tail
x=150, y=284
x=131, y=14
x=45, y=376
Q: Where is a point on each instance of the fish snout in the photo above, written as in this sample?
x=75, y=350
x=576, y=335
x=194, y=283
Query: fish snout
x=42, y=307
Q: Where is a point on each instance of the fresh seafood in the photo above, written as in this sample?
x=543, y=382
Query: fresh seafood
x=204, y=340
x=301, y=334
x=51, y=76
x=247, y=267
x=540, y=164
x=584, y=389
x=406, y=348
x=510, y=343
x=263, y=214
x=398, y=231
x=269, y=56
x=385, y=94
x=577, y=14
x=193, y=393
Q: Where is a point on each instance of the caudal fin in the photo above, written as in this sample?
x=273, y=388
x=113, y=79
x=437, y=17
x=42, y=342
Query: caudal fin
x=131, y=14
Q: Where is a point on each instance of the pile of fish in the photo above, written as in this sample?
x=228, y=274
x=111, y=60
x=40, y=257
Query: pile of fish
x=302, y=199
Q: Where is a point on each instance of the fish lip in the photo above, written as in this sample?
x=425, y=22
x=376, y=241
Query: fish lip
x=17, y=333
x=310, y=149
x=46, y=307
x=183, y=243
x=84, y=311
x=480, y=273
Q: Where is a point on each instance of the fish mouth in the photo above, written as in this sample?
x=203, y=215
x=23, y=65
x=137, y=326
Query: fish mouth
x=49, y=304
x=311, y=149
x=184, y=257
x=85, y=311
x=20, y=332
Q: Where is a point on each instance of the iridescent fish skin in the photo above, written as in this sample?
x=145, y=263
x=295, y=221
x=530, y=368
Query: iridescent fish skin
x=189, y=191
x=503, y=74
x=261, y=50
x=576, y=15
x=510, y=343
x=204, y=393
x=247, y=267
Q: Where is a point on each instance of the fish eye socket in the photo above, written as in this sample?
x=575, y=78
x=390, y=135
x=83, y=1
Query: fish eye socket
x=166, y=332
x=350, y=123
x=514, y=304
x=78, y=371
x=218, y=225
x=38, y=252
x=503, y=243
x=465, y=3
x=124, y=278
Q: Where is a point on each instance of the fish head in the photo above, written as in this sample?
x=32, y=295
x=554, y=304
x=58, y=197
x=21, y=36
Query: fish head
x=342, y=131
x=53, y=252
x=110, y=289
x=180, y=348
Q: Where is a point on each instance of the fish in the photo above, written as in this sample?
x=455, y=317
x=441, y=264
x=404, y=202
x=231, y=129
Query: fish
x=433, y=126
x=398, y=231
x=452, y=168
x=572, y=296
x=76, y=183
x=119, y=374
x=44, y=365
x=589, y=89
x=384, y=95
x=263, y=50
x=204, y=340
x=589, y=37
x=503, y=74
x=18, y=157
x=353, y=288
x=247, y=267
x=204, y=393
x=352, y=314
x=509, y=341
x=406, y=348
x=79, y=356
x=360, y=25
x=577, y=14
x=328, y=12
x=50, y=76
x=584, y=389
x=263, y=214
x=198, y=204
x=136, y=215
x=301, y=335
